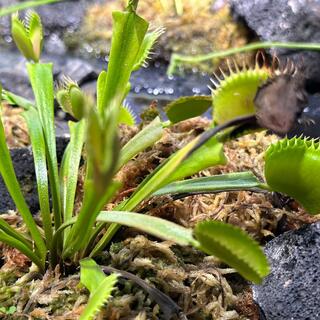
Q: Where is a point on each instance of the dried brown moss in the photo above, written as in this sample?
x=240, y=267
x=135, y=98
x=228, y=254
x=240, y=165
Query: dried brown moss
x=15, y=127
x=202, y=28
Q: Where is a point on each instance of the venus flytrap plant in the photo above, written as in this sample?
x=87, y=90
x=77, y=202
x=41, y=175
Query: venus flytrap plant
x=69, y=236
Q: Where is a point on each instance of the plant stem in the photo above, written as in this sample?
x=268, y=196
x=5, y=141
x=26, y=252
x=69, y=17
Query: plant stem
x=132, y=5
x=176, y=59
x=28, y=4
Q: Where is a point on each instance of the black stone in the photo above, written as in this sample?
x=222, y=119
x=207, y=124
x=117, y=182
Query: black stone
x=283, y=20
x=78, y=70
x=292, y=290
x=22, y=159
x=309, y=123
x=24, y=168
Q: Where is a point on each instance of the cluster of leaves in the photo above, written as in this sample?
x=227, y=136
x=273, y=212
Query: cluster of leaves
x=291, y=165
x=69, y=236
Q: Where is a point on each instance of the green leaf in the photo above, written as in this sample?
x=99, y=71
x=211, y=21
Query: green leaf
x=69, y=169
x=103, y=146
x=142, y=140
x=16, y=100
x=24, y=5
x=128, y=33
x=7, y=229
x=80, y=231
x=22, y=247
x=187, y=107
x=12, y=184
x=39, y=155
x=101, y=84
x=99, y=285
x=41, y=78
x=208, y=155
x=91, y=275
x=160, y=228
x=234, y=247
x=219, y=183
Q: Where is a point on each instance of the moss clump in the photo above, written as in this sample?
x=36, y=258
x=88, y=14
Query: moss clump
x=200, y=28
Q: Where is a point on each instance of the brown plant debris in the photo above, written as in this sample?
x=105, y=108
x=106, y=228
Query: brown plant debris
x=15, y=127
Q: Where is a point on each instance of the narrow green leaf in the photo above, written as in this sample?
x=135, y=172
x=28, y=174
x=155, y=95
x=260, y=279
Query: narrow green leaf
x=41, y=78
x=219, y=183
x=12, y=184
x=208, y=155
x=187, y=107
x=103, y=146
x=16, y=100
x=101, y=84
x=81, y=230
x=39, y=156
x=99, y=285
x=234, y=247
x=70, y=167
x=142, y=140
x=7, y=229
x=154, y=181
x=24, y=5
x=160, y=228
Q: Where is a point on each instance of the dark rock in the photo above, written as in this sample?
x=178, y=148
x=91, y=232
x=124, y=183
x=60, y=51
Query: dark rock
x=78, y=70
x=16, y=82
x=54, y=45
x=309, y=123
x=292, y=290
x=283, y=20
x=23, y=164
x=14, y=77
x=62, y=16
x=24, y=168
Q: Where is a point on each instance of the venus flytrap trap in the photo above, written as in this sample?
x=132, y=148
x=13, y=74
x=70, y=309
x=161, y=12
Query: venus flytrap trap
x=292, y=167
